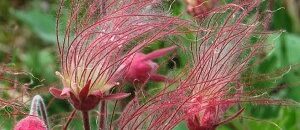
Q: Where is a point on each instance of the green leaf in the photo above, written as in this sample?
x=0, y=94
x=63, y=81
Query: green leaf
x=181, y=126
x=41, y=63
x=42, y=24
x=281, y=18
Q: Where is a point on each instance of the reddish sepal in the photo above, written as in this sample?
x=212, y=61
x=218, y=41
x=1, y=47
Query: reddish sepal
x=85, y=91
x=56, y=93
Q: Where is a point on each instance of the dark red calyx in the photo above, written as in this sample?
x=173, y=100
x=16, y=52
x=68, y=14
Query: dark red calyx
x=85, y=100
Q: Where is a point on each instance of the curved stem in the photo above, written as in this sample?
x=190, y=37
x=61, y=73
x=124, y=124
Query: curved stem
x=102, y=116
x=38, y=104
x=86, y=122
x=69, y=119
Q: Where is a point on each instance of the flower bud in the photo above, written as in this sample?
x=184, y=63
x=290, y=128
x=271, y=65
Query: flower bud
x=141, y=68
x=31, y=123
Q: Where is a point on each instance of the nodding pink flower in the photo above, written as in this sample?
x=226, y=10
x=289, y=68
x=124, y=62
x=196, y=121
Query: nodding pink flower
x=98, y=39
x=32, y=121
x=212, y=85
x=139, y=68
x=206, y=112
x=99, y=36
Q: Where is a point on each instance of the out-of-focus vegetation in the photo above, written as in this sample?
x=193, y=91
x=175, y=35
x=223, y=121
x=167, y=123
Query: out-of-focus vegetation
x=28, y=43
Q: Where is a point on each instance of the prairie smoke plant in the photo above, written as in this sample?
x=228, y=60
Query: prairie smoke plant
x=212, y=85
x=100, y=48
x=96, y=44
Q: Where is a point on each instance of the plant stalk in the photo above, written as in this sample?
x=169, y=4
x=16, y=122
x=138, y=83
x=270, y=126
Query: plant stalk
x=69, y=120
x=38, y=104
x=102, y=116
x=86, y=120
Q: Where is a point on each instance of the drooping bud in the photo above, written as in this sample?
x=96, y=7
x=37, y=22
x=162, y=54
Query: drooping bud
x=32, y=121
x=212, y=84
x=140, y=68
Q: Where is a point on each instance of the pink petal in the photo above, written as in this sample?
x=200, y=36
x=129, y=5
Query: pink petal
x=65, y=92
x=56, y=93
x=159, y=53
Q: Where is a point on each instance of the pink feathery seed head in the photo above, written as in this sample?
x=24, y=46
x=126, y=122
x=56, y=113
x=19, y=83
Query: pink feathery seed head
x=212, y=85
x=209, y=116
x=31, y=123
x=96, y=42
x=218, y=67
x=140, y=68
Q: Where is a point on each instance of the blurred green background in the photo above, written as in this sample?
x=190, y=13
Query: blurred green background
x=28, y=42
